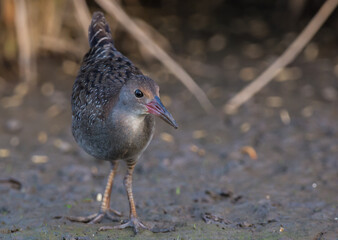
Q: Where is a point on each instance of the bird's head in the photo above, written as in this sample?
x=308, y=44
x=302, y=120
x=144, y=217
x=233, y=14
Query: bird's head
x=140, y=96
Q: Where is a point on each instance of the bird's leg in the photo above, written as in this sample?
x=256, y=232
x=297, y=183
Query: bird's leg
x=133, y=221
x=105, y=206
x=105, y=209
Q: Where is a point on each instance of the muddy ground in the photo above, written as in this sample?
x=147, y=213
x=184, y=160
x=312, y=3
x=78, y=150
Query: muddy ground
x=198, y=178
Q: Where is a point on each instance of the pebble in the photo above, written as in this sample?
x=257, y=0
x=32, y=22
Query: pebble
x=99, y=197
x=42, y=137
x=245, y=127
x=285, y=117
x=198, y=134
x=4, y=153
x=62, y=145
x=196, y=149
x=250, y=151
x=39, y=159
x=13, y=125
x=329, y=94
x=167, y=137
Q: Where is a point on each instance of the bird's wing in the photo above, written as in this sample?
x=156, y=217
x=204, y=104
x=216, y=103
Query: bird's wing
x=103, y=72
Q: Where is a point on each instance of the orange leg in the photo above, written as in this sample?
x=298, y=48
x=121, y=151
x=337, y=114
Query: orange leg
x=105, y=209
x=133, y=221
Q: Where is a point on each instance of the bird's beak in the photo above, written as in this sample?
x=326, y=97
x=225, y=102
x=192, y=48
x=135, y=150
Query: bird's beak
x=156, y=107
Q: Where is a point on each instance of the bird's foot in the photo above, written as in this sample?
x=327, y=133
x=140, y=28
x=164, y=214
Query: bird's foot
x=96, y=217
x=134, y=223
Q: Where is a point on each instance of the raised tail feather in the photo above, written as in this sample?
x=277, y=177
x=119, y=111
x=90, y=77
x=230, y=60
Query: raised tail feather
x=99, y=32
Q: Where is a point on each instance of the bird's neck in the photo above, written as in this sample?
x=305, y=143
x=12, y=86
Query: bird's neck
x=134, y=123
x=128, y=120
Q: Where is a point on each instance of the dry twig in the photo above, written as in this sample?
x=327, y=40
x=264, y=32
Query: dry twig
x=290, y=54
x=82, y=13
x=27, y=63
x=52, y=18
x=61, y=45
x=114, y=9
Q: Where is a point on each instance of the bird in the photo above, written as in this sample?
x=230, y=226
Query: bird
x=114, y=106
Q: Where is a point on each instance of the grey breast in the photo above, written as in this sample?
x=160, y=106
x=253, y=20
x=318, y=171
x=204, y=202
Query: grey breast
x=128, y=136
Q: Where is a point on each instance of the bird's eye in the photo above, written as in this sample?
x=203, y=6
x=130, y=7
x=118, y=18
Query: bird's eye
x=138, y=93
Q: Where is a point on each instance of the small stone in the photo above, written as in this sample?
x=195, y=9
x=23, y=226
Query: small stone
x=193, y=148
x=99, y=197
x=4, y=153
x=13, y=125
x=198, y=134
x=62, y=145
x=167, y=137
x=42, y=137
x=245, y=127
x=250, y=151
x=329, y=94
x=285, y=117
x=39, y=159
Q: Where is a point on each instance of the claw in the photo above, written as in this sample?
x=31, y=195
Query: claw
x=96, y=217
x=82, y=219
x=117, y=213
x=134, y=223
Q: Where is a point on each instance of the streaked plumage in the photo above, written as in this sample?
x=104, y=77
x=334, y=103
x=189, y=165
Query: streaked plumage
x=113, y=108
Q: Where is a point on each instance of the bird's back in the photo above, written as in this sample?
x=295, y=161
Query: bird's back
x=103, y=73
